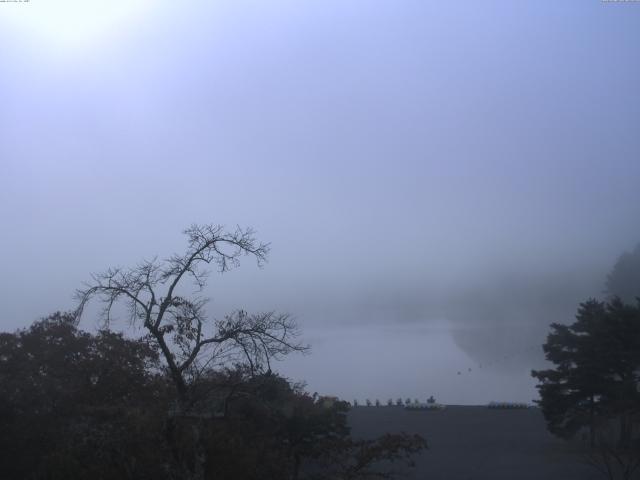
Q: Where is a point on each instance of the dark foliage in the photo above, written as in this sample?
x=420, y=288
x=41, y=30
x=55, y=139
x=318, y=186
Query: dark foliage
x=75, y=405
x=267, y=428
x=597, y=369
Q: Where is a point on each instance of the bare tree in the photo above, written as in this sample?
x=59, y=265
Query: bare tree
x=189, y=342
x=614, y=460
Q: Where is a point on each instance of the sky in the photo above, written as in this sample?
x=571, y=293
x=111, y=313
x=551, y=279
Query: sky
x=439, y=181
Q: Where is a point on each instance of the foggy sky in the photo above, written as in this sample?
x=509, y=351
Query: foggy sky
x=439, y=181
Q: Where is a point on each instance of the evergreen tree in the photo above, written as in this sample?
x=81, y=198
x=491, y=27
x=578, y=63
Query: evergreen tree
x=597, y=363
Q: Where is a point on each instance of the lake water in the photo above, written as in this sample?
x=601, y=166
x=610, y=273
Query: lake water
x=410, y=360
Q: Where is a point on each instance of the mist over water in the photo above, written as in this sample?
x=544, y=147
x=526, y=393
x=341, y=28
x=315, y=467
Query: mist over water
x=409, y=361
x=471, y=347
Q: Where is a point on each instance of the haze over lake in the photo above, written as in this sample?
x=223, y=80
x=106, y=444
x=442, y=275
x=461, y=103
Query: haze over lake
x=409, y=361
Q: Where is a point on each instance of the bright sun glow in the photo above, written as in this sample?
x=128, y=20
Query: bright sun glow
x=73, y=23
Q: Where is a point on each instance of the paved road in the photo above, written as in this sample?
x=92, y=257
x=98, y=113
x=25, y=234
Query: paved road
x=477, y=443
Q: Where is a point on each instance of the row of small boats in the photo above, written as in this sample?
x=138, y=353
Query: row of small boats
x=492, y=405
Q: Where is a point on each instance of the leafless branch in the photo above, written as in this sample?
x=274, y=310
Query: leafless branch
x=180, y=325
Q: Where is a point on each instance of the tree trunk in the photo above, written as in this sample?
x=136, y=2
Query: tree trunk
x=624, y=440
x=296, y=466
x=592, y=423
